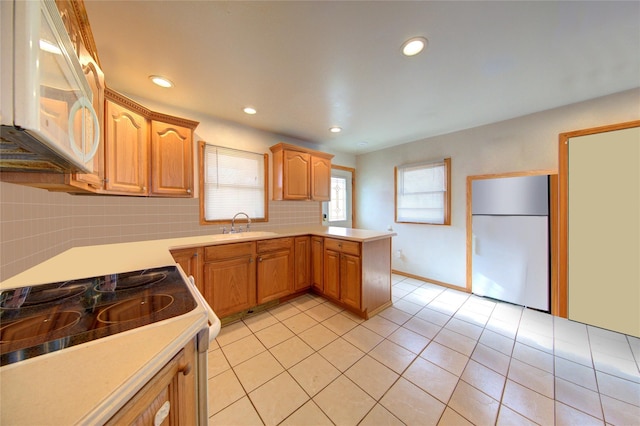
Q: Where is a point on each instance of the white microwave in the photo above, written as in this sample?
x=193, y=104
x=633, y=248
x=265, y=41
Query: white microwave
x=48, y=120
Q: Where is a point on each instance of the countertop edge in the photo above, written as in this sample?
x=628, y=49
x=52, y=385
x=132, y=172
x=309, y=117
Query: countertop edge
x=373, y=236
x=107, y=408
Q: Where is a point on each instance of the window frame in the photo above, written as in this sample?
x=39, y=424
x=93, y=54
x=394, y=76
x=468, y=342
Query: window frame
x=344, y=200
x=446, y=162
x=201, y=189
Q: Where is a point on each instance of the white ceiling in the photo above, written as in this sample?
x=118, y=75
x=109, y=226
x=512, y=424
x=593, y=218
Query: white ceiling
x=309, y=65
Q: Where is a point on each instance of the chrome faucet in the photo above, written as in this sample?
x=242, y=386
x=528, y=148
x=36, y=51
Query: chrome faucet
x=233, y=230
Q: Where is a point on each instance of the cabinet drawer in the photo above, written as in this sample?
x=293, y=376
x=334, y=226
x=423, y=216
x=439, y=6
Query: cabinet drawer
x=350, y=247
x=274, y=244
x=228, y=251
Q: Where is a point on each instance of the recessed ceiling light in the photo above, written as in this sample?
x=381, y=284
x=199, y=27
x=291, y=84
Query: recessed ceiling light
x=161, y=81
x=335, y=129
x=361, y=144
x=249, y=110
x=414, y=45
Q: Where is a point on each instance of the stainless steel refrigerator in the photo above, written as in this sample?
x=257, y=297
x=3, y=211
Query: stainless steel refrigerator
x=510, y=225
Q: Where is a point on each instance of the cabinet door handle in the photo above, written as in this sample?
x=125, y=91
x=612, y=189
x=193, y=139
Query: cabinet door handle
x=162, y=413
x=259, y=259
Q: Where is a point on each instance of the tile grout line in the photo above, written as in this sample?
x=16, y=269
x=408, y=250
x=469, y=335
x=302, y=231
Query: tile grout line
x=449, y=321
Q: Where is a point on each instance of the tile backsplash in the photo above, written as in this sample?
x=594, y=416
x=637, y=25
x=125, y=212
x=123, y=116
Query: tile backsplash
x=36, y=224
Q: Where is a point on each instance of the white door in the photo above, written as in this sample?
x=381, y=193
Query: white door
x=338, y=211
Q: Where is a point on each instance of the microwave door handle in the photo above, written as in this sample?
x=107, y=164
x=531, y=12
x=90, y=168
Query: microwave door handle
x=96, y=132
x=84, y=103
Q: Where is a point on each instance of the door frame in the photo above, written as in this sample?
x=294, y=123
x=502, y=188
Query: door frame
x=353, y=190
x=559, y=305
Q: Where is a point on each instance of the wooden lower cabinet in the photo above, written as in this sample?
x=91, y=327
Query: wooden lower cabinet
x=229, y=277
x=332, y=274
x=274, y=269
x=302, y=263
x=350, y=282
x=342, y=269
x=317, y=263
x=169, y=398
x=190, y=259
x=357, y=275
x=239, y=276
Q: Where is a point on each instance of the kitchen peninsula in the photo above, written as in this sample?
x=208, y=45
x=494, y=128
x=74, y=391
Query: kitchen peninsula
x=92, y=381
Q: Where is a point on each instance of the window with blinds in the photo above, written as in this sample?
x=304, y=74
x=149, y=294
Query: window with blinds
x=423, y=192
x=233, y=181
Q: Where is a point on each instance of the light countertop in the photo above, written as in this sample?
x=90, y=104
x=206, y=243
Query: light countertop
x=88, y=383
x=89, y=261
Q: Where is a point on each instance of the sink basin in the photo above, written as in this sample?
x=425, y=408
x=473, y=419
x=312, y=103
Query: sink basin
x=242, y=235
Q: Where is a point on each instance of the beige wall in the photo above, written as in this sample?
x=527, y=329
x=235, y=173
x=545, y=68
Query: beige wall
x=520, y=144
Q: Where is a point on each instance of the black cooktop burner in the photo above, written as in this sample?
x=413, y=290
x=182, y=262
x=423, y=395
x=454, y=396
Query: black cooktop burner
x=45, y=318
x=39, y=296
x=129, y=281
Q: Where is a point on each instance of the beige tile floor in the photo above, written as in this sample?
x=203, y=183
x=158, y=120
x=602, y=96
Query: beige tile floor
x=437, y=357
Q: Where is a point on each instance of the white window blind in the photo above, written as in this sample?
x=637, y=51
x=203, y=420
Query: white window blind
x=233, y=182
x=422, y=193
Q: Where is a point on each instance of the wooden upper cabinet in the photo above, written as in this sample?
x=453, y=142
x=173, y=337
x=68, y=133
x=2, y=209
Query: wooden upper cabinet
x=171, y=159
x=126, y=150
x=300, y=174
x=95, y=78
x=320, y=178
x=295, y=185
x=146, y=153
x=69, y=12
